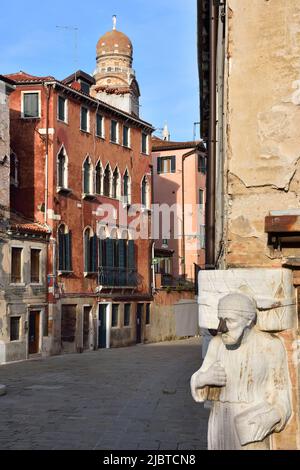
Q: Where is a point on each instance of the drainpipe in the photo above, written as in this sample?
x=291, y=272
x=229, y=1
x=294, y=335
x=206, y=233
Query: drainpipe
x=211, y=149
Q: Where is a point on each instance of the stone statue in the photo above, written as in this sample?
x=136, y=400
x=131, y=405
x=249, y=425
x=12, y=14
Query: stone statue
x=245, y=375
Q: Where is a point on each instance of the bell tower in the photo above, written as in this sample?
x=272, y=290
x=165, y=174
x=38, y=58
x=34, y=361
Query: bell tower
x=115, y=78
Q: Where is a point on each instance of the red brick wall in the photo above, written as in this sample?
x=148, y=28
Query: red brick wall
x=30, y=148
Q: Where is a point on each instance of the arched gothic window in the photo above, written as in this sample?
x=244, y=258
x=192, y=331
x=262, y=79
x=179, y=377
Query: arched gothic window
x=99, y=178
x=107, y=181
x=64, y=248
x=116, y=184
x=126, y=188
x=87, y=176
x=62, y=169
x=145, y=193
x=90, y=251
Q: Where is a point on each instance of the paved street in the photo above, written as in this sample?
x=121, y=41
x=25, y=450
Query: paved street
x=127, y=398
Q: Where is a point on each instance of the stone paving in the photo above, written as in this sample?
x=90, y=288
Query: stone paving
x=126, y=398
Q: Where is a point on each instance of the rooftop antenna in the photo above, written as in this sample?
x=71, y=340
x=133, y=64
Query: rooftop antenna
x=114, y=18
x=75, y=30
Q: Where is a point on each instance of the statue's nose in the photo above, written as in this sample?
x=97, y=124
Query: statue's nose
x=222, y=328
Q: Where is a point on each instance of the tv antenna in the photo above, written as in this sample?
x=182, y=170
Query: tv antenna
x=75, y=30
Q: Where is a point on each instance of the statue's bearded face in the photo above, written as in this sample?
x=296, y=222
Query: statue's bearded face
x=232, y=326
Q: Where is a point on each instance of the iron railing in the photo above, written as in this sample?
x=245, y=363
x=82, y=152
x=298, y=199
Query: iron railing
x=117, y=277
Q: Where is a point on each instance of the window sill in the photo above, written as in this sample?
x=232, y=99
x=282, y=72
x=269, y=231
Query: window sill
x=127, y=326
x=31, y=117
x=90, y=274
x=63, y=190
x=115, y=143
x=85, y=132
x=88, y=196
x=145, y=154
x=145, y=210
x=17, y=284
x=61, y=120
x=102, y=137
x=36, y=284
x=64, y=273
x=127, y=147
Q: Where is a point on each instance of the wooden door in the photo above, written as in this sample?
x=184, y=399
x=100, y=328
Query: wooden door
x=102, y=326
x=34, y=332
x=86, y=327
x=139, y=316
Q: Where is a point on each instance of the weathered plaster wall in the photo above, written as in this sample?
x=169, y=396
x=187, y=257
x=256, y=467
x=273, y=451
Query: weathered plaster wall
x=4, y=150
x=262, y=143
x=263, y=119
x=19, y=299
x=162, y=326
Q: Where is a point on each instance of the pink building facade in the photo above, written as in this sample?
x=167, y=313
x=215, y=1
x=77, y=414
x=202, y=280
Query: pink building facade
x=179, y=175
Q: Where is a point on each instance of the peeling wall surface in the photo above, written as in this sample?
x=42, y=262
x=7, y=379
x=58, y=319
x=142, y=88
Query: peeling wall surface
x=263, y=121
x=262, y=154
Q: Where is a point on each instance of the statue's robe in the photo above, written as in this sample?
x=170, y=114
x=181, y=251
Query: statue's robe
x=256, y=374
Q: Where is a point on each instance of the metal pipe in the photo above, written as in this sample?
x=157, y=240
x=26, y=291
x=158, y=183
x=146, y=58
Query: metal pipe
x=211, y=149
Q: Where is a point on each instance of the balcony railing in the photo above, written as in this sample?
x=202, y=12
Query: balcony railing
x=117, y=277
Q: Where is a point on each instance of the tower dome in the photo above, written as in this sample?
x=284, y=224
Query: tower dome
x=114, y=42
x=115, y=78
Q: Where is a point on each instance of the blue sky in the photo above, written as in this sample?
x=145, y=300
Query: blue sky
x=163, y=33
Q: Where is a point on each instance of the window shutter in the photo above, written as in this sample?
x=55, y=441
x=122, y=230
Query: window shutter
x=109, y=252
x=68, y=257
x=158, y=165
x=101, y=252
x=173, y=164
x=94, y=257
x=122, y=253
x=61, y=251
x=86, y=251
x=131, y=254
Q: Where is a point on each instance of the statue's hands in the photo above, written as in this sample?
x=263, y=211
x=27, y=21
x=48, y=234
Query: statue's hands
x=264, y=423
x=214, y=376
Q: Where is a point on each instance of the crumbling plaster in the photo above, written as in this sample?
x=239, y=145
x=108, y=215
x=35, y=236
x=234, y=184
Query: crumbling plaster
x=263, y=121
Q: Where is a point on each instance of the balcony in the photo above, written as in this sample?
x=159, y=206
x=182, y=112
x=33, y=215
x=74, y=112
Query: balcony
x=117, y=278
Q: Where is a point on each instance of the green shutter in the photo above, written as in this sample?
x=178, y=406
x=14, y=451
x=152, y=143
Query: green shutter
x=109, y=252
x=86, y=251
x=61, y=251
x=159, y=165
x=131, y=254
x=122, y=261
x=173, y=164
x=101, y=252
x=94, y=257
x=68, y=250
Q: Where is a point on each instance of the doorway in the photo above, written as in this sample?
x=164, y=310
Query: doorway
x=34, y=332
x=139, y=316
x=86, y=327
x=102, y=343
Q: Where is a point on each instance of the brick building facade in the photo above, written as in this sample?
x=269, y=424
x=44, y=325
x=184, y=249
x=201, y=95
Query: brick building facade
x=81, y=160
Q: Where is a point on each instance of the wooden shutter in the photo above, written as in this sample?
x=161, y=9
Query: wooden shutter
x=94, y=258
x=122, y=253
x=131, y=254
x=109, y=252
x=158, y=165
x=68, y=257
x=61, y=242
x=173, y=164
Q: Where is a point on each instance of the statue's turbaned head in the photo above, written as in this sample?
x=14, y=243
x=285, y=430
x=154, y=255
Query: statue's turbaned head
x=236, y=312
